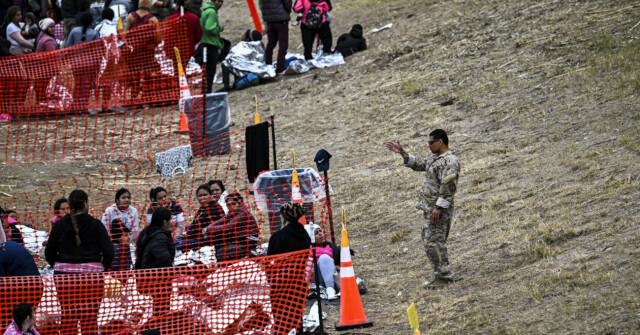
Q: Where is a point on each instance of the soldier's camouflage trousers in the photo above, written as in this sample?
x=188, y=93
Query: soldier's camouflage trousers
x=434, y=239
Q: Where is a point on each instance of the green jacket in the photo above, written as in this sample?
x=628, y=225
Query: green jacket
x=210, y=27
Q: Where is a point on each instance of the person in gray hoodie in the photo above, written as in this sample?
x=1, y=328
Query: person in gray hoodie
x=276, y=14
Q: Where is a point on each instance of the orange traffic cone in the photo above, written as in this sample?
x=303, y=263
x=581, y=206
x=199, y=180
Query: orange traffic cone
x=184, y=127
x=296, y=195
x=351, y=310
x=184, y=93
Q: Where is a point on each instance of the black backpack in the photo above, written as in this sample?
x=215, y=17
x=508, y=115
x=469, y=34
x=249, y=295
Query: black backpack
x=314, y=17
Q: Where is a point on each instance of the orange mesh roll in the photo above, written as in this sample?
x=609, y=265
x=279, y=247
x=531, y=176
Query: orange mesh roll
x=264, y=295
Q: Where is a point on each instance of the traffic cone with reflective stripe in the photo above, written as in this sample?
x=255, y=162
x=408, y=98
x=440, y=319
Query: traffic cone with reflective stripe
x=184, y=93
x=351, y=310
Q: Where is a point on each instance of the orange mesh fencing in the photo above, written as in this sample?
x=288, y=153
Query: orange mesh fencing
x=237, y=238
x=260, y=295
x=54, y=98
x=131, y=79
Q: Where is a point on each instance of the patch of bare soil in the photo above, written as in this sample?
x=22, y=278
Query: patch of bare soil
x=545, y=124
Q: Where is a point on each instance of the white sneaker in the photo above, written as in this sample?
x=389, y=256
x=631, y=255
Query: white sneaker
x=331, y=293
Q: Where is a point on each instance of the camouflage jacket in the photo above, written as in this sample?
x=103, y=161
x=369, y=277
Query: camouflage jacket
x=440, y=179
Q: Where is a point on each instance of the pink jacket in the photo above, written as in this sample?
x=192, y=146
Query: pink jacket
x=13, y=329
x=304, y=5
x=46, y=43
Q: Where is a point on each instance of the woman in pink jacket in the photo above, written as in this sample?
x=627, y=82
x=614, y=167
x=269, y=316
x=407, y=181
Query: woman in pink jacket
x=314, y=22
x=45, y=40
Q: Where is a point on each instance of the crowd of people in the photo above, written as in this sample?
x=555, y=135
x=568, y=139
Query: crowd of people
x=78, y=243
x=125, y=64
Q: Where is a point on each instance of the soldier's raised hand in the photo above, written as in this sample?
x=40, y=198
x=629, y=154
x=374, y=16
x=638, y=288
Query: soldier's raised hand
x=396, y=147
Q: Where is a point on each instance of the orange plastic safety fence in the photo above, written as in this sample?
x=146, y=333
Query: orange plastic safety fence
x=260, y=295
x=234, y=235
x=58, y=99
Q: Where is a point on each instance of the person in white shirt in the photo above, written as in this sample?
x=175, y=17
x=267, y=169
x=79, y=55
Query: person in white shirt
x=13, y=25
x=123, y=211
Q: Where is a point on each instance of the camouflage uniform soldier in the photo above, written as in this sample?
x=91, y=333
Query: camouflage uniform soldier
x=436, y=201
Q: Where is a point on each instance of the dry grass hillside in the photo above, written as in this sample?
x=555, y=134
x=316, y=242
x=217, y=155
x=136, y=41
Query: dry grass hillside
x=545, y=124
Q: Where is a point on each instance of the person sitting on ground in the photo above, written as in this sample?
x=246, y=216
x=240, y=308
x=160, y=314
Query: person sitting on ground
x=24, y=321
x=160, y=198
x=46, y=40
x=219, y=193
x=236, y=57
x=14, y=233
x=314, y=23
x=350, y=43
x=155, y=249
x=16, y=261
x=123, y=211
x=328, y=255
x=60, y=209
x=293, y=236
x=236, y=234
x=208, y=213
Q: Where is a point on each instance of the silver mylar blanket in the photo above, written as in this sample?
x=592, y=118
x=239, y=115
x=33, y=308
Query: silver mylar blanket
x=319, y=61
x=248, y=57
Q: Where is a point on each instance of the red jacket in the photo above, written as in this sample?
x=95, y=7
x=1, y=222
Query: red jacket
x=194, y=31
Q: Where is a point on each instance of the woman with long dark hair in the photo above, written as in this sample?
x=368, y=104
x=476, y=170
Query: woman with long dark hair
x=208, y=213
x=12, y=26
x=155, y=249
x=160, y=198
x=79, y=244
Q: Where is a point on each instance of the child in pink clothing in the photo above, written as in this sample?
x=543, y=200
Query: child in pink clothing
x=24, y=320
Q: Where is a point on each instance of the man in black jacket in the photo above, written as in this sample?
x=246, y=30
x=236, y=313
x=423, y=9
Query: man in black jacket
x=350, y=43
x=276, y=14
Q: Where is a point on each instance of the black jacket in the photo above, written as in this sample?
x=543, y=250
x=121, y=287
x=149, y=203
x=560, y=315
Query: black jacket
x=350, y=43
x=275, y=10
x=95, y=243
x=15, y=260
x=70, y=8
x=155, y=249
x=292, y=237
